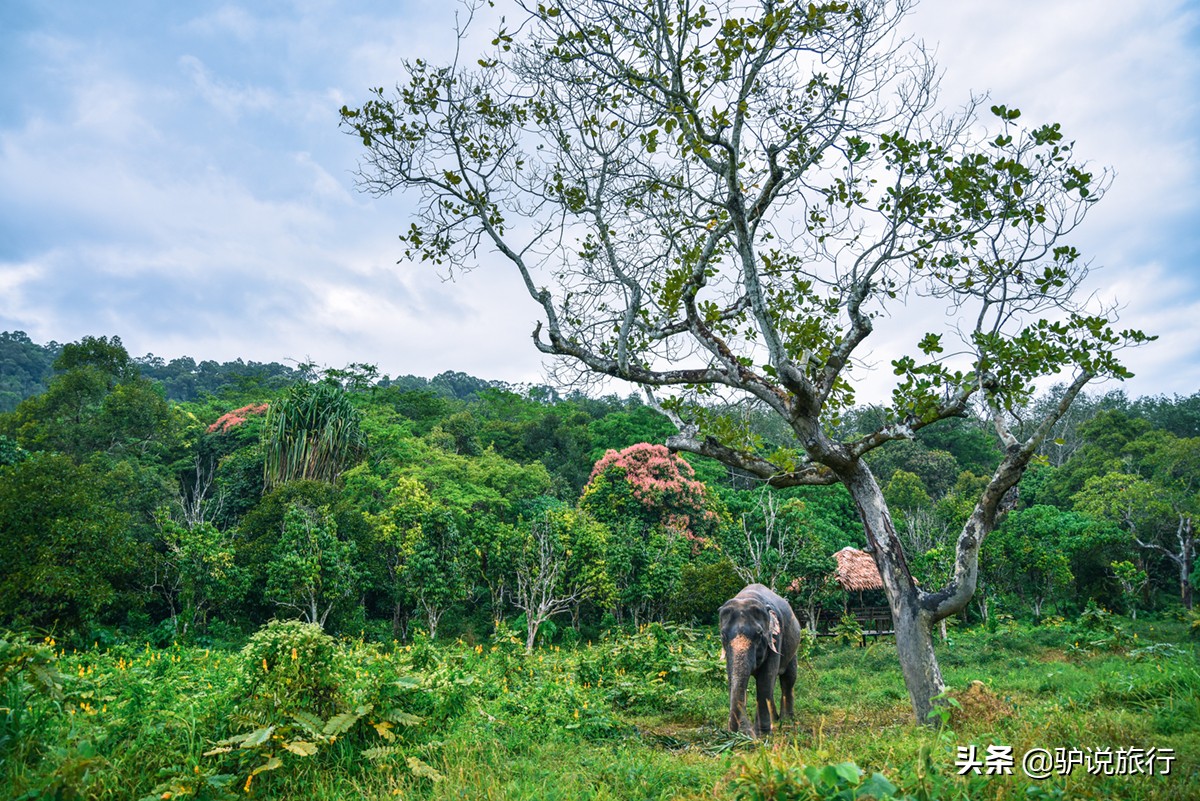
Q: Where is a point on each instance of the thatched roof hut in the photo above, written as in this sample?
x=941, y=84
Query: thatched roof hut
x=856, y=570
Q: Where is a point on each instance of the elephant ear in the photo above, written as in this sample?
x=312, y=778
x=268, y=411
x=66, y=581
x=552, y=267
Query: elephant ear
x=773, y=639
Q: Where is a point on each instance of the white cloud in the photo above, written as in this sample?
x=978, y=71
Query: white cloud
x=14, y=278
x=195, y=197
x=1123, y=78
x=228, y=98
x=323, y=185
x=227, y=20
x=1161, y=302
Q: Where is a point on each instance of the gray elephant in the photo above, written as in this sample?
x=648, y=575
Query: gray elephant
x=760, y=633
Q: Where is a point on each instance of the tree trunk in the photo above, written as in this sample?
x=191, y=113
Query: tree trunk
x=397, y=617
x=531, y=630
x=918, y=663
x=1185, y=538
x=497, y=601
x=914, y=626
x=811, y=611
x=1187, y=546
x=983, y=604
x=325, y=614
x=433, y=614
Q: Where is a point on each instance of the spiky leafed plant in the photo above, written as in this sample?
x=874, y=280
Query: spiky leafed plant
x=313, y=432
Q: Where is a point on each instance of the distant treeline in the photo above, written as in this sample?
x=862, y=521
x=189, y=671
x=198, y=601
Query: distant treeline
x=27, y=367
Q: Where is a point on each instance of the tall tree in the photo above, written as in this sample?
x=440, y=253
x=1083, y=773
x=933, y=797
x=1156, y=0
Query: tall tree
x=395, y=529
x=657, y=514
x=24, y=368
x=312, y=432
x=97, y=402
x=1175, y=467
x=194, y=569
x=67, y=549
x=313, y=569
x=558, y=564
x=769, y=542
x=1159, y=506
x=725, y=198
x=435, y=566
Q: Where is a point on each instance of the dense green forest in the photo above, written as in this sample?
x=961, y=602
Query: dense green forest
x=196, y=500
x=238, y=580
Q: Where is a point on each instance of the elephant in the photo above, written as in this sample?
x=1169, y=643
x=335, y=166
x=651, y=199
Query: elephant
x=760, y=634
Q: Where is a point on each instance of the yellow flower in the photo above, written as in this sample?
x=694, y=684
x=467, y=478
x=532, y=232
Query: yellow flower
x=265, y=668
x=295, y=656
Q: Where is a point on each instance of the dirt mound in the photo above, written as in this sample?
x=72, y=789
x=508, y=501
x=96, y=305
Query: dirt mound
x=978, y=704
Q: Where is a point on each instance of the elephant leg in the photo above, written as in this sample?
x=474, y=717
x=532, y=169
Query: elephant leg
x=765, y=683
x=787, y=681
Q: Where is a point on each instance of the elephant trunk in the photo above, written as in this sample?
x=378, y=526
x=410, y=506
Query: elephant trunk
x=738, y=667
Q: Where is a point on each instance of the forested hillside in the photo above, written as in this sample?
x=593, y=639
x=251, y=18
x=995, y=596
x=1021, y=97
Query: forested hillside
x=197, y=501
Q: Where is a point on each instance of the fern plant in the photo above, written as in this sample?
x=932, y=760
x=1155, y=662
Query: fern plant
x=32, y=662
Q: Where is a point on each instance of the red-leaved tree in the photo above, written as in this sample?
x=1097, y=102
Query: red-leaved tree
x=658, y=515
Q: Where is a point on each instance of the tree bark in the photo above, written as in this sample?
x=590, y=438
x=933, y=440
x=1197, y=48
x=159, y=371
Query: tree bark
x=918, y=663
x=1185, y=538
x=531, y=631
x=1187, y=547
x=399, y=617
x=913, y=624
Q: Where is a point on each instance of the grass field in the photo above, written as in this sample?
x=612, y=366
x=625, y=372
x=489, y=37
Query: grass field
x=295, y=714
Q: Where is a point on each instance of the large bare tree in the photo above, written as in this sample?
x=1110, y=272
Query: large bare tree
x=727, y=200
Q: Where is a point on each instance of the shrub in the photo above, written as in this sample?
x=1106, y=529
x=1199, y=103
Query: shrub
x=289, y=667
x=1095, y=618
x=770, y=777
x=848, y=630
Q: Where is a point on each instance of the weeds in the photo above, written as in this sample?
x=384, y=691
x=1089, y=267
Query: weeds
x=639, y=715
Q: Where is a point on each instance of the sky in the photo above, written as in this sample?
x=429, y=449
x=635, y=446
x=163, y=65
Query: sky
x=173, y=173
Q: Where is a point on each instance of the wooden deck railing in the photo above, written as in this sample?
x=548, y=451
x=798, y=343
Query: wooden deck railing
x=875, y=621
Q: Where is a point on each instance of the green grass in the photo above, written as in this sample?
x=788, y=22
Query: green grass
x=638, y=717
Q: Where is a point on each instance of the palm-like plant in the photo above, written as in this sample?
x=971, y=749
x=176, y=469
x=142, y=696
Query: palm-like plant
x=313, y=432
